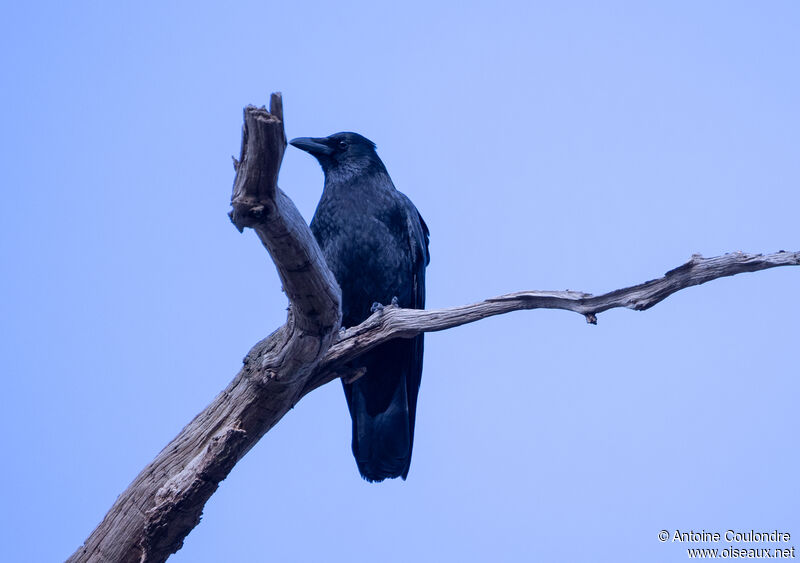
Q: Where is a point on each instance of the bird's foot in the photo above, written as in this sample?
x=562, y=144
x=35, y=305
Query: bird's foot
x=376, y=306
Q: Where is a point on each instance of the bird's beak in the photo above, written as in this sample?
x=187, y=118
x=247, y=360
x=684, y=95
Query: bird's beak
x=311, y=145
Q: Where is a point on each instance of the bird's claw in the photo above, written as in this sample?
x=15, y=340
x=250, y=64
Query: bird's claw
x=376, y=306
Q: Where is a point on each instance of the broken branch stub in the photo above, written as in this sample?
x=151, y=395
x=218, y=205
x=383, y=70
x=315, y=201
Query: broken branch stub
x=263, y=145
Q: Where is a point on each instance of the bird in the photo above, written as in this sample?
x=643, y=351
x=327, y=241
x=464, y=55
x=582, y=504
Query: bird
x=375, y=243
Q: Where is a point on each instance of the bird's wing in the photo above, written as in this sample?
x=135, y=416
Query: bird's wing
x=426, y=237
x=419, y=235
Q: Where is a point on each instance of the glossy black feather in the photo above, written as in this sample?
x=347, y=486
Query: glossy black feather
x=376, y=244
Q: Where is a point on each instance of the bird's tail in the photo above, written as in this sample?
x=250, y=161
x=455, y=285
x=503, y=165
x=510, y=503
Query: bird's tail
x=383, y=409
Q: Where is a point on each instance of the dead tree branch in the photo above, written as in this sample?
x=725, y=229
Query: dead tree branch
x=393, y=322
x=149, y=521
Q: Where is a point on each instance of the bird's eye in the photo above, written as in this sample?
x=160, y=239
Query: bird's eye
x=342, y=144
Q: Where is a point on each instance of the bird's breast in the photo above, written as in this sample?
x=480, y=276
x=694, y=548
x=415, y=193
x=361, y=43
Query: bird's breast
x=368, y=250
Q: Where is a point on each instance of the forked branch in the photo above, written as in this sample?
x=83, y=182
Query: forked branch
x=150, y=519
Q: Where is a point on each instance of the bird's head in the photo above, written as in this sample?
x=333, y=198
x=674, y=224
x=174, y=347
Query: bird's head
x=340, y=151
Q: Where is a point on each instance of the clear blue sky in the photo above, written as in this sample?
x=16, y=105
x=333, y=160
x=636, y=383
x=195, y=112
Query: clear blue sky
x=581, y=145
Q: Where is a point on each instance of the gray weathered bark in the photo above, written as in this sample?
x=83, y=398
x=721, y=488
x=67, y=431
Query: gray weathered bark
x=149, y=521
x=393, y=322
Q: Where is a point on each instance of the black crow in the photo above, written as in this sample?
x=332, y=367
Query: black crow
x=376, y=244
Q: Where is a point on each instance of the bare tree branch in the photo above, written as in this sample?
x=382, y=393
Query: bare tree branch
x=257, y=202
x=393, y=322
x=150, y=520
